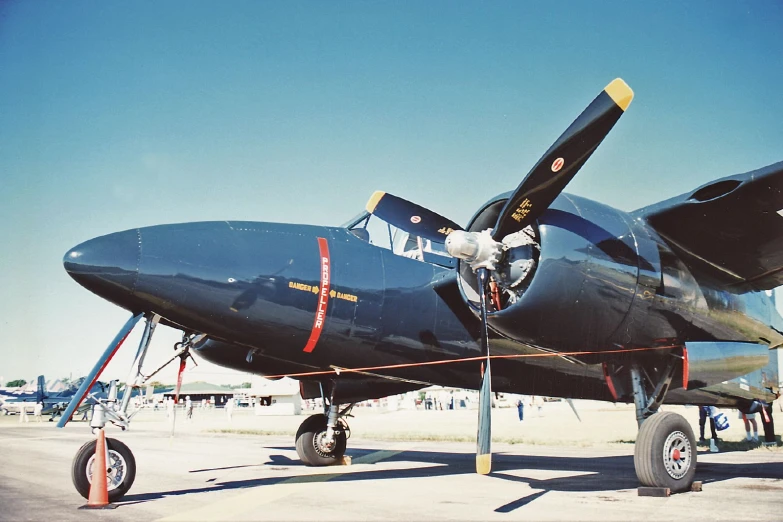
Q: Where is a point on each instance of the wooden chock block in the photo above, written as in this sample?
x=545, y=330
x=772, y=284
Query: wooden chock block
x=346, y=461
x=696, y=486
x=654, y=492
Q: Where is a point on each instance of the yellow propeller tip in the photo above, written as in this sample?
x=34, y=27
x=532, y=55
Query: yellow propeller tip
x=620, y=93
x=374, y=199
x=484, y=464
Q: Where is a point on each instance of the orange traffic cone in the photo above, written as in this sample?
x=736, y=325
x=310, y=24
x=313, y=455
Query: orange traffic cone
x=99, y=488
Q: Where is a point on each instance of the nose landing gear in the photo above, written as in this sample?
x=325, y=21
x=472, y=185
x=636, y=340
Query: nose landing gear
x=120, y=472
x=120, y=463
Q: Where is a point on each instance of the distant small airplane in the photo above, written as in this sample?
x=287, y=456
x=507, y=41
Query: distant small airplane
x=54, y=403
x=24, y=390
x=10, y=400
x=565, y=297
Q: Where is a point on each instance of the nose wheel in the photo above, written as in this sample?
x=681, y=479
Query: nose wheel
x=120, y=469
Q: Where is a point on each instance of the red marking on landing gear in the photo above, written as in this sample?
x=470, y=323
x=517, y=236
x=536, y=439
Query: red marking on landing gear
x=323, y=296
x=182, y=362
x=105, y=364
x=676, y=455
x=609, y=382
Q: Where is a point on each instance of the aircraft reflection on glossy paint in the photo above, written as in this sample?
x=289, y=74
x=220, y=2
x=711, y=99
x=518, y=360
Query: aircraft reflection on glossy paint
x=564, y=297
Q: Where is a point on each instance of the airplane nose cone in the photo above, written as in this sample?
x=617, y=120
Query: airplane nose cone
x=107, y=265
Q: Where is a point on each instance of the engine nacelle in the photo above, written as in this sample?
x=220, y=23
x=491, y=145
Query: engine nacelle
x=715, y=362
x=572, y=294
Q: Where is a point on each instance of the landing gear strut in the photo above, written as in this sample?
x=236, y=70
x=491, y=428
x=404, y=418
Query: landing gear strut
x=321, y=439
x=121, y=465
x=665, y=449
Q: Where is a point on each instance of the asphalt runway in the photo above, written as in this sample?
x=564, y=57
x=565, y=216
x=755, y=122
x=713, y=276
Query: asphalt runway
x=208, y=476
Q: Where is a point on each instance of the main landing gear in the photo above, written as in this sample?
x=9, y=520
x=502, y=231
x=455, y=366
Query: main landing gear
x=321, y=439
x=665, y=450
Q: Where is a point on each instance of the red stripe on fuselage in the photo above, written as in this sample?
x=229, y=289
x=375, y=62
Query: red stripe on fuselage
x=323, y=296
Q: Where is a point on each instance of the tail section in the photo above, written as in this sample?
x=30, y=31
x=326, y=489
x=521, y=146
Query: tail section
x=40, y=394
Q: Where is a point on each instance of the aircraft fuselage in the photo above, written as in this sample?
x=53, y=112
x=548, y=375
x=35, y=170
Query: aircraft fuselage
x=284, y=299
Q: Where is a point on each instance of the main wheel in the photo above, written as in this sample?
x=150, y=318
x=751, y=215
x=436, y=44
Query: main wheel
x=121, y=469
x=665, y=452
x=311, y=444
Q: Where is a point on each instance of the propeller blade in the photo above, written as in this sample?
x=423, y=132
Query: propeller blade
x=410, y=217
x=563, y=160
x=484, y=436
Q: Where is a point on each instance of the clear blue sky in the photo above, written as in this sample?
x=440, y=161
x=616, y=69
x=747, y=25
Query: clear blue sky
x=119, y=115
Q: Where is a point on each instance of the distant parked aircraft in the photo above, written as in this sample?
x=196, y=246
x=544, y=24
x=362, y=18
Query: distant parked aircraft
x=54, y=403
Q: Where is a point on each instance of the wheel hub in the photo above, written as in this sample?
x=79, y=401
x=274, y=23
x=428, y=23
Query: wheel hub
x=115, y=473
x=323, y=446
x=677, y=455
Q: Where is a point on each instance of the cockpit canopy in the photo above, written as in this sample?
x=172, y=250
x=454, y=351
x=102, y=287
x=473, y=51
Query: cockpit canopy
x=378, y=232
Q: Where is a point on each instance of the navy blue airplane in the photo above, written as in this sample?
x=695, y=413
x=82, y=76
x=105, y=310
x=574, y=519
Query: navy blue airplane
x=12, y=401
x=562, y=296
x=54, y=403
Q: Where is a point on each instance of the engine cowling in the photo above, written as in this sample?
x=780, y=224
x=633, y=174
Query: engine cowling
x=570, y=292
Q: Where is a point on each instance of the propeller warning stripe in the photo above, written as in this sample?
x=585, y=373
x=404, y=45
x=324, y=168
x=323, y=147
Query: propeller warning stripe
x=621, y=94
x=323, y=296
x=374, y=200
x=483, y=464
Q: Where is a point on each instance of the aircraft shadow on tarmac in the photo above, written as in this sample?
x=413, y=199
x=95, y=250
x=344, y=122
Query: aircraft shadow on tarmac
x=595, y=473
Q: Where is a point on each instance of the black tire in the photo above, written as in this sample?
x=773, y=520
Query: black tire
x=122, y=463
x=310, y=451
x=665, y=452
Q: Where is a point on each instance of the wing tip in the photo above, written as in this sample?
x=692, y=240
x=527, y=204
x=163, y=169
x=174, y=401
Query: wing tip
x=621, y=94
x=374, y=200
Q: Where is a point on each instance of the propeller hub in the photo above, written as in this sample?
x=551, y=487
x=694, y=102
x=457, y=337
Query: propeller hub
x=476, y=248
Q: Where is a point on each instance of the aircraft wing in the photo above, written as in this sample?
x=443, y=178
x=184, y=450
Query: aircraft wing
x=731, y=227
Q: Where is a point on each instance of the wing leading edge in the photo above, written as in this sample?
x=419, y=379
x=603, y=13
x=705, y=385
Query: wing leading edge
x=731, y=228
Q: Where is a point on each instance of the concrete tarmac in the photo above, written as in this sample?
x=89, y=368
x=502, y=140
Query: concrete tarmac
x=203, y=475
